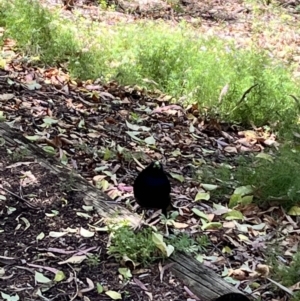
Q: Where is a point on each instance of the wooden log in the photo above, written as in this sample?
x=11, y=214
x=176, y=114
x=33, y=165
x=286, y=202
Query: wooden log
x=105, y=206
x=204, y=283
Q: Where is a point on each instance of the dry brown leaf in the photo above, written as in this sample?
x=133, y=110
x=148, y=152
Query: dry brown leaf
x=237, y=274
x=263, y=270
x=230, y=149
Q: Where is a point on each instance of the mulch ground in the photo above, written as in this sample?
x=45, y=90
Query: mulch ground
x=35, y=209
x=107, y=133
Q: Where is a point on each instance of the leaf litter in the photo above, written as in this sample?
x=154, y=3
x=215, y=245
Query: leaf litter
x=107, y=133
x=112, y=159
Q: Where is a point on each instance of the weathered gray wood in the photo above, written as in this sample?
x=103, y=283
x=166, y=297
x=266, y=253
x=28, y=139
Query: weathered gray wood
x=105, y=206
x=203, y=282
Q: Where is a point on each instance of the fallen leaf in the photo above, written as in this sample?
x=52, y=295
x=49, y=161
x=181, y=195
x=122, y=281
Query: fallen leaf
x=294, y=211
x=234, y=214
x=41, y=278
x=99, y=288
x=150, y=140
x=136, y=127
x=86, y=233
x=202, y=196
x=74, y=259
x=211, y=225
x=230, y=149
x=6, y=97
x=209, y=187
x=40, y=236
x=59, y=276
x=114, y=295
x=158, y=239
x=177, y=225
x=57, y=234
x=133, y=135
x=178, y=177
x=243, y=190
x=125, y=272
x=90, y=287
x=200, y=214
x=265, y=157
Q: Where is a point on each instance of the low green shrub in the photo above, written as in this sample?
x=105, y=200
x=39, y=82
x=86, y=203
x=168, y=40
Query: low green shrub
x=178, y=61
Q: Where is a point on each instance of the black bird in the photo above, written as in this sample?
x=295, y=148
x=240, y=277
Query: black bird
x=233, y=297
x=152, y=188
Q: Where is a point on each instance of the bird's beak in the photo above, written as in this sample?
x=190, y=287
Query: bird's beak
x=157, y=164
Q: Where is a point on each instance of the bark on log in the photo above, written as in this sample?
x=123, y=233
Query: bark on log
x=204, y=283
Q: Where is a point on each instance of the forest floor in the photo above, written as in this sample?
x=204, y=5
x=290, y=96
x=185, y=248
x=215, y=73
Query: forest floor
x=102, y=131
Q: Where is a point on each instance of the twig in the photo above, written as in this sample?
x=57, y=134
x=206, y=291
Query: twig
x=281, y=286
x=138, y=163
x=216, y=247
x=243, y=97
x=20, y=198
x=75, y=281
x=296, y=101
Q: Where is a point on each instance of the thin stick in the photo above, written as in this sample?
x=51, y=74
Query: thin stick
x=20, y=198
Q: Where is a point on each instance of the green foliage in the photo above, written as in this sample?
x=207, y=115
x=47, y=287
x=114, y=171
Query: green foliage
x=221, y=176
x=290, y=274
x=199, y=68
x=104, y=4
x=28, y=23
x=275, y=178
x=277, y=181
x=38, y=32
x=184, y=243
x=287, y=275
x=93, y=260
x=182, y=63
x=139, y=247
x=18, y=154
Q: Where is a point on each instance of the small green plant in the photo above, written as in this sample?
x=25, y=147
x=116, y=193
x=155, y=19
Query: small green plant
x=139, y=247
x=288, y=275
x=84, y=147
x=184, y=243
x=69, y=185
x=170, y=218
x=135, y=117
x=93, y=260
x=104, y=4
x=275, y=178
x=203, y=242
x=221, y=176
x=18, y=154
x=117, y=152
x=108, y=154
